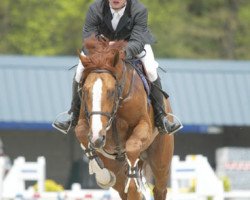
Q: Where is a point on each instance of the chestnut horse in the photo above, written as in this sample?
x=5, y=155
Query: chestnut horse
x=116, y=125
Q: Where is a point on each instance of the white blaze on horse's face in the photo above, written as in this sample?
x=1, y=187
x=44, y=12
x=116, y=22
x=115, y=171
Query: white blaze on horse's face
x=96, y=106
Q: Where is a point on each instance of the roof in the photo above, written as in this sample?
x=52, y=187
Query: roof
x=202, y=92
x=209, y=92
x=34, y=89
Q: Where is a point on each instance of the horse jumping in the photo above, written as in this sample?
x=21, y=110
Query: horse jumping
x=116, y=124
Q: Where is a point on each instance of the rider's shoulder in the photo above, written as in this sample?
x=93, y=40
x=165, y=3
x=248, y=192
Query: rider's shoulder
x=137, y=6
x=97, y=5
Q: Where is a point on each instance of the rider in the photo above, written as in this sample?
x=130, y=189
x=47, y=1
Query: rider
x=122, y=20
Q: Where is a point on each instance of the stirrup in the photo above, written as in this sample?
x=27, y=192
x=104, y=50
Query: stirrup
x=178, y=121
x=62, y=115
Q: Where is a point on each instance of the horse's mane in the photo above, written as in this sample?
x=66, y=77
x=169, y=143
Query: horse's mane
x=101, y=54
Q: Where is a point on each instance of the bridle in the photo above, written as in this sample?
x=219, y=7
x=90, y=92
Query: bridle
x=119, y=86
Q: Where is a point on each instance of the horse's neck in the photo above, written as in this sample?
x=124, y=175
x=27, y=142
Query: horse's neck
x=134, y=84
x=134, y=102
x=132, y=107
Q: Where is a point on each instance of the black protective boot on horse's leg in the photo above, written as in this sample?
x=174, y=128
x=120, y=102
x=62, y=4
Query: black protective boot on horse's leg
x=161, y=121
x=65, y=126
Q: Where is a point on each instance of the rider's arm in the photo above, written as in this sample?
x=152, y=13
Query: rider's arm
x=136, y=42
x=91, y=23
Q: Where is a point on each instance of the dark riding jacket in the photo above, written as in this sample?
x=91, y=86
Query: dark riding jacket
x=132, y=26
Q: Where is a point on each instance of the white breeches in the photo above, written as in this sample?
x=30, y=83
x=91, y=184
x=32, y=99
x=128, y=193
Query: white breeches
x=79, y=70
x=147, y=58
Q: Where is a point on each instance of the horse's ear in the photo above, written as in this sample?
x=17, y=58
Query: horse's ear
x=116, y=58
x=84, y=59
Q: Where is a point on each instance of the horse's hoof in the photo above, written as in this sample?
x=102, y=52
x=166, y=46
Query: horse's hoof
x=111, y=182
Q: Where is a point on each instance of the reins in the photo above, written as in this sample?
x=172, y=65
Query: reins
x=119, y=89
x=118, y=97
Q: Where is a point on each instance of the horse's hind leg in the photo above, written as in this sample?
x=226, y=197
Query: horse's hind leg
x=159, y=156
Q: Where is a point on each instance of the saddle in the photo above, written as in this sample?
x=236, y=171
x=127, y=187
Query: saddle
x=140, y=69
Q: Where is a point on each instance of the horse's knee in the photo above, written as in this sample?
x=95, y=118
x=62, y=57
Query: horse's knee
x=133, y=148
x=132, y=145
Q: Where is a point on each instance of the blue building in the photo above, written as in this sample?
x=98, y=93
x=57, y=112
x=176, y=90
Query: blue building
x=207, y=96
x=203, y=93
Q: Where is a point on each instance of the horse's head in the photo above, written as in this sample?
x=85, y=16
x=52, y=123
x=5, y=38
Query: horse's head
x=102, y=88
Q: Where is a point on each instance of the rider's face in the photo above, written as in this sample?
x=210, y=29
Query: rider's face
x=117, y=4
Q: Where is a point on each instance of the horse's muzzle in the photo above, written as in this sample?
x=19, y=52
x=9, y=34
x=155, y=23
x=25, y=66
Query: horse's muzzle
x=98, y=143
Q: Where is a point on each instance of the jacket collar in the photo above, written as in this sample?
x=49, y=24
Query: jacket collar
x=125, y=19
x=107, y=19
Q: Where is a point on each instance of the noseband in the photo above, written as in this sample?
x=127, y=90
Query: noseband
x=119, y=86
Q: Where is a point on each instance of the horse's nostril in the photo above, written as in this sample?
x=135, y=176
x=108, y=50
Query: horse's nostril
x=99, y=143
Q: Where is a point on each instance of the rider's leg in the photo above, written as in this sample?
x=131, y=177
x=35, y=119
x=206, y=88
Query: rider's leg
x=162, y=123
x=64, y=126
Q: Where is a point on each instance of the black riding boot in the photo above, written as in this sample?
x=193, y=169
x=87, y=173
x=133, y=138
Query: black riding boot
x=64, y=126
x=161, y=121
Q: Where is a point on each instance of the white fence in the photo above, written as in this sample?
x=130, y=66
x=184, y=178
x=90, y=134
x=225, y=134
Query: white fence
x=194, y=173
x=13, y=183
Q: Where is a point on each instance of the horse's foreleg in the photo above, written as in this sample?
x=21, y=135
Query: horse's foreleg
x=136, y=143
x=104, y=177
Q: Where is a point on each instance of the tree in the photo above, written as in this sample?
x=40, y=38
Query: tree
x=184, y=29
